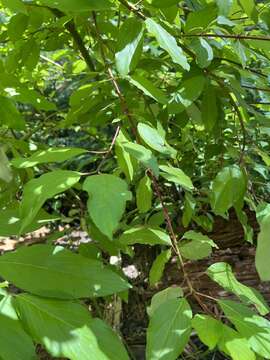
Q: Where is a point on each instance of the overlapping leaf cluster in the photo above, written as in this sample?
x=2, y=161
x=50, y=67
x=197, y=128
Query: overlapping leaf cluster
x=130, y=121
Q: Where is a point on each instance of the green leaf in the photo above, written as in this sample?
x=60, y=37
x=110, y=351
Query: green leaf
x=208, y=329
x=167, y=42
x=15, y=343
x=30, y=54
x=79, y=5
x=154, y=140
x=203, y=51
x=158, y=266
x=124, y=160
x=17, y=26
x=50, y=271
x=240, y=50
x=201, y=18
x=9, y=115
x=265, y=157
x=228, y=189
x=143, y=155
x=5, y=172
x=152, y=137
x=169, y=330
x=15, y=5
x=129, y=45
x=235, y=345
x=50, y=155
x=189, y=90
x=10, y=221
x=249, y=7
x=145, y=235
x=144, y=195
x=162, y=296
x=224, y=7
x=197, y=236
x=263, y=247
x=223, y=275
x=189, y=207
x=199, y=247
x=253, y=327
x=108, y=195
x=148, y=88
x=161, y=4
x=66, y=329
x=176, y=176
x=37, y=191
x=214, y=333
x=209, y=108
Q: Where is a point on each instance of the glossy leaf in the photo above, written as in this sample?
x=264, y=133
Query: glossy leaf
x=125, y=162
x=208, y=329
x=50, y=271
x=145, y=235
x=144, y=195
x=158, y=267
x=47, y=156
x=254, y=328
x=214, y=333
x=249, y=7
x=66, y=329
x=223, y=275
x=153, y=139
x=37, y=191
x=129, y=45
x=224, y=6
x=148, y=88
x=263, y=247
x=204, y=52
x=108, y=195
x=167, y=42
x=169, y=330
x=228, y=189
x=176, y=176
x=209, y=108
x=15, y=343
x=199, y=247
x=189, y=207
x=173, y=292
x=143, y=155
x=10, y=221
x=202, y=17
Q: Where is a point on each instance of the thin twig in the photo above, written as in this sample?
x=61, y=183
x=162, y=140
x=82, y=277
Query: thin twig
x=171, y=231
x=133, y=8
x=110, y=148
x=256, y=88
x=154, y=180
x=229, y=36
x=51, y=61
x=117, y=89
x=257, y=72
x=70, y=26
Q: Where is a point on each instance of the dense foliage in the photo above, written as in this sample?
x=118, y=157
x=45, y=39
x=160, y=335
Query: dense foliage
x=131, y=121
